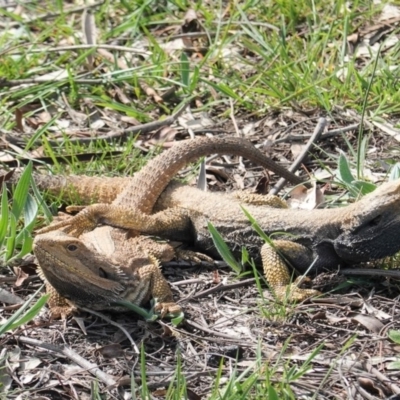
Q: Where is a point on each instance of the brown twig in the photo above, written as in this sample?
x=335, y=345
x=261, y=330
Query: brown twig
x=62, y=81
x=45, y=17
x=78, y=47
x=111, y=322
x=73, y=356
x=383, y=378
x=326, y=135
x=222, y=288
x=210, y=331
x=144, y=128
x=299, y=160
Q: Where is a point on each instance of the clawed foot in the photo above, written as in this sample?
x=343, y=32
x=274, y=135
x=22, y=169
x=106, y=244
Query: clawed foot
x=192, y=256
x=83, y=222
x=294, y=293
x=171, y=309
x=61, y=312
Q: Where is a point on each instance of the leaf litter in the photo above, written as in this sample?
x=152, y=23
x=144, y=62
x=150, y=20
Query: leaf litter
x=229, y=325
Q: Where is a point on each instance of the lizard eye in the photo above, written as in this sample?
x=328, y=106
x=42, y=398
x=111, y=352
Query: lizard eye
x=102, y=273
x=375, y=221
x=72, y=247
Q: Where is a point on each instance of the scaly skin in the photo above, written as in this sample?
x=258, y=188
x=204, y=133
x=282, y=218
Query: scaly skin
x=107, y=265
x=89, y=188
x=360, y=232
x=142, y=190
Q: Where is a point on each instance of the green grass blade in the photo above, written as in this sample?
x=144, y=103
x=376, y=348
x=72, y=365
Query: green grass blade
x=344, y=172
x=30, y=212
x=185, y=70
x=223, y=249
x=394, y=335
x=4, y=215
x=31, y=313
x=40, y=200
x=256, y=227
x=10, y=245
x=21, y=191
x=40, y=131
x=363, y=187
x=26, y=239
x=14, y=320
x=222, y=88
x=138, y=310
x=394, y=172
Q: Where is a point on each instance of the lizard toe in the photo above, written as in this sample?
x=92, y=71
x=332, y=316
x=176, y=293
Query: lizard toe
x=293, y=293
x=192, y=256
x=171, y=309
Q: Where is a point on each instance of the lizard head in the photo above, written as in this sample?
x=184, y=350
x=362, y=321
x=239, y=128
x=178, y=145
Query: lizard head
x=371, y=226
x=78, y=273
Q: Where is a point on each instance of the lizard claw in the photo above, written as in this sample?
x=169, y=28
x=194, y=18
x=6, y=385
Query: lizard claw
x=171, y=309
x=192, y=256
x=85, y=221
x=293, y=293
x=74, y=226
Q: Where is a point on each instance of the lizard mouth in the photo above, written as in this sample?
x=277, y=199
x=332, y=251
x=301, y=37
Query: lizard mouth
x=370, y=241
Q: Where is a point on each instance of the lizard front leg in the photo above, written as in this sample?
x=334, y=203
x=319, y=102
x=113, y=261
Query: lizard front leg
x=277, y=272
x=59, y=306
x=172, y=219
x=158, y=289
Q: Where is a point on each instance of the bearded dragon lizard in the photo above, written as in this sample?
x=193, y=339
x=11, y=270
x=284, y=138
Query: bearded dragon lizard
x=360, y=232
x=63, y=252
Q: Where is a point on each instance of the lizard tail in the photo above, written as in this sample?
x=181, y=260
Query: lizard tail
x=146, y=186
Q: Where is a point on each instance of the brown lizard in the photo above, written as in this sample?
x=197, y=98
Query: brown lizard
x=360, y=232
x=103, y=266
x=97, y=243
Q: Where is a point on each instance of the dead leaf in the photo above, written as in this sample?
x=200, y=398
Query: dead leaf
x=121, y=96
x=5, y=376
x=297, y=149
x=238, y=180
x=159, y=393
x=39, y=119
x=111, y=351
x=18, y=120
x=380, y=314
x=371, y=323
x=30, y=364
x=190, y=18
x=6, y=177
x=9, y=298
x=151, y=92
x=21, y=276
x=130, y=120
x=305, y=199
x=216, y=278
x=371, y=387
x=14, y=356
x=165, y=134
x=192, y=395
x=389, y=129
x=196, y=43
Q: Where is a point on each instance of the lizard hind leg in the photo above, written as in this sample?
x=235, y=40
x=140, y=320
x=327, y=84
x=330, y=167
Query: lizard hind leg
x=277, y=272
x=159, y=288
